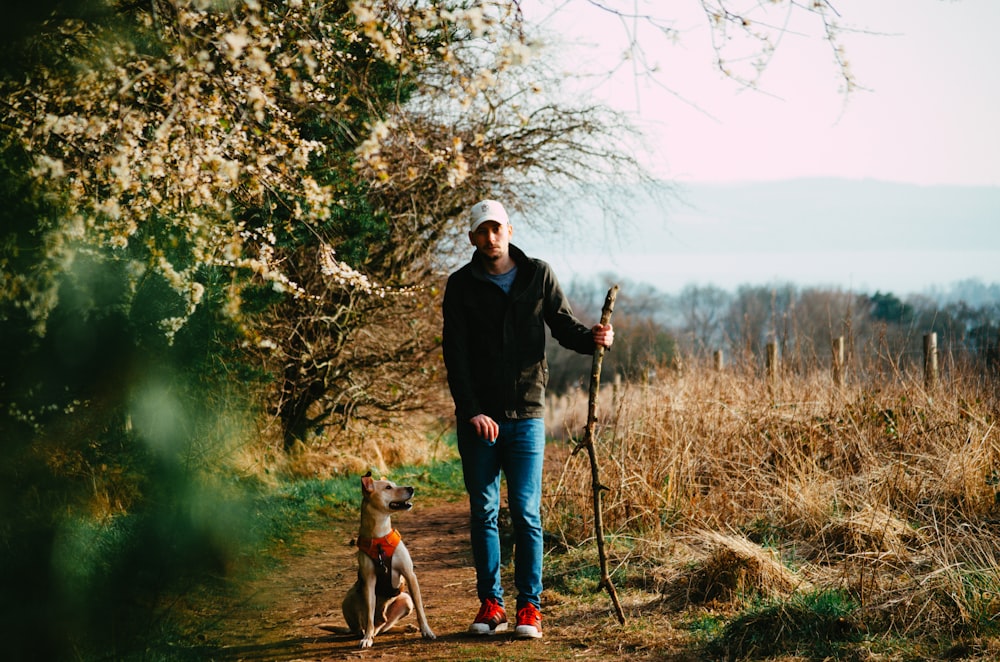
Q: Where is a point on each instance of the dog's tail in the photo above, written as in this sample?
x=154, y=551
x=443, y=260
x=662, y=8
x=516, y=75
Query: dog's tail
x=336, y=629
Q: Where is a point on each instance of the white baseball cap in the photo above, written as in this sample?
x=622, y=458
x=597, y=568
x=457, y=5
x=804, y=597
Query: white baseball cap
x=488, y=210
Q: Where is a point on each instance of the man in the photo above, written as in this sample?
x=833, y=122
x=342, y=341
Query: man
x=495, y=309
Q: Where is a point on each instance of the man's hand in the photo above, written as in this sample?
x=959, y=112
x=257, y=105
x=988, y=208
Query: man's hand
x=604, y=335
x=486, y=427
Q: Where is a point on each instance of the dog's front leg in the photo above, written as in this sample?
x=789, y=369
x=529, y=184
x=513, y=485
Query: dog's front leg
x=406, y=569
x=418, y=602
x=368, y=598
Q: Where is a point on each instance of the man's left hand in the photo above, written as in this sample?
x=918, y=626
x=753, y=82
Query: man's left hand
x=604, y=335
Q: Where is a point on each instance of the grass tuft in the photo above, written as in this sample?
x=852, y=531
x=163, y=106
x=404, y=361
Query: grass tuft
x=816, y=624
x=734, y=568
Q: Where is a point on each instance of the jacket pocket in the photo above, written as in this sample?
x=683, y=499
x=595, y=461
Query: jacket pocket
x=531, y=385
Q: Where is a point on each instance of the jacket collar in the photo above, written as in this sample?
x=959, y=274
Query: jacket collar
x=521, y=260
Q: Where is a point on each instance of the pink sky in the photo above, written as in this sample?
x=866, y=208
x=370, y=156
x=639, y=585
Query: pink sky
x=928, y=115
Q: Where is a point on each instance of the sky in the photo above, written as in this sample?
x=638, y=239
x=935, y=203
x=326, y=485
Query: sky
x=929, y=73
x=925, y=113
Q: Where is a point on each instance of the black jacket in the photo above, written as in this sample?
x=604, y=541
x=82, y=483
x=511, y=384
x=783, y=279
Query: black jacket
x=494, y=343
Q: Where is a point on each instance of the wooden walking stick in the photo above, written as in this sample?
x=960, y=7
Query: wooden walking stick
x=588, y=443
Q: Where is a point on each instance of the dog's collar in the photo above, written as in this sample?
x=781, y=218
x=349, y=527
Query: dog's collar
x=380, y=548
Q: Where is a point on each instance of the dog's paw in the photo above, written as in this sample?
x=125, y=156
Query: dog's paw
x=367, y=642
x=426, y=632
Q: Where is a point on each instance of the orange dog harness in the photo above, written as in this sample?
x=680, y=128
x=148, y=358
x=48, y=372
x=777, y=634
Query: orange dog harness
x=380, y=551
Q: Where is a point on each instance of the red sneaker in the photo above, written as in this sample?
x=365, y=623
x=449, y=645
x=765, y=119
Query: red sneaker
x=529, y=622
x=490, y=619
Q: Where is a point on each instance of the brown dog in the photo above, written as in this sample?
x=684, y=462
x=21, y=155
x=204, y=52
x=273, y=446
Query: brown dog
x=379, y=599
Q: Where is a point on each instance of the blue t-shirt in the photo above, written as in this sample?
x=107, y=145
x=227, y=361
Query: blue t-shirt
x=503, y=281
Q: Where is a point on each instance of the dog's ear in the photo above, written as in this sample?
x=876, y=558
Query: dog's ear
x=367, y=483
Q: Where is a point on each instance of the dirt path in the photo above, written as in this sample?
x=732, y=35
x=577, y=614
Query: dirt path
x=280, y=617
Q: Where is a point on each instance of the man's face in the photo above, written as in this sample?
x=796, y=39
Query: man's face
x=492, y=239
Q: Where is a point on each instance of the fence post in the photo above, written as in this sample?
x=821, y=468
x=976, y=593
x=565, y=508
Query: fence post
x=930, y=360
x=772, y=360
x=838, y=360
x=719, y=362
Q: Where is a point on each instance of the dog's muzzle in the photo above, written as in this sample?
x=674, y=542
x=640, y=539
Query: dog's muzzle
x=403, y=504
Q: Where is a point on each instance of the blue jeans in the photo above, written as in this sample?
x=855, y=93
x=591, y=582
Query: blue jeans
x=519, y=452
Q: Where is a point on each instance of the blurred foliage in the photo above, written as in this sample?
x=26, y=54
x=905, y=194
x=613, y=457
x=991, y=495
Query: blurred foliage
x=111, y=494
x=117, y=485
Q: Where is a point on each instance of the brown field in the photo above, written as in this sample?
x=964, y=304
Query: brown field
x=728, y=490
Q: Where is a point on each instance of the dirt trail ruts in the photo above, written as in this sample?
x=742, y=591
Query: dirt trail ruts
x=280, y=617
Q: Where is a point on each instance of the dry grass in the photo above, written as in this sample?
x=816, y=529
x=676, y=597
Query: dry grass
x=732, y=568
x=361, y=447
x=886, y=492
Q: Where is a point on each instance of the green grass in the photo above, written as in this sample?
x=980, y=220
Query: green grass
x=978, y=601
x=281, y=513
x=705, y=627
x=817, y=625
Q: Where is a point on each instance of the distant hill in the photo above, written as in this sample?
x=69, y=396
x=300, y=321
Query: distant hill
x=861, y=235
x=847, y=215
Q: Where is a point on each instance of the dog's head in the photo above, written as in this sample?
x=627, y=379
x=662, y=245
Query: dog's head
x=384, y=495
